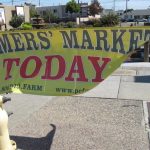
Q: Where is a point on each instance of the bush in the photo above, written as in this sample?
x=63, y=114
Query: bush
x=70, y=24
x=51, y=25
x=62, y=24
x=109, y=20
x=82, y=25
x=93, y=23
x=49, y=17
x=26, y=26
x=16, y=21
x=89, y=22
x=96, y=23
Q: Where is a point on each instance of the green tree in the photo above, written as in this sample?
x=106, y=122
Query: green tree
x=72, y=7
x=16, y=21
x=49, y=16
x=95, y=8
x=33, y=12
x=109, y=20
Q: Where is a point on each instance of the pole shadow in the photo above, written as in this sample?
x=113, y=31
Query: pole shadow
x=31, y=143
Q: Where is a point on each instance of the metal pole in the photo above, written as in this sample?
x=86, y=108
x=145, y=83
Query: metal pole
x=39, y=2
x=12, y=2
x=149, y=51
x=126, y=7
x=146, y=51
x=79, y=11
x=114, y=5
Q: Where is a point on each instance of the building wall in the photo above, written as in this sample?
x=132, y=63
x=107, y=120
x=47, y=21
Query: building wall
x=60, y=11
x=55, y=10
x=107, y=11
x=8, y=15
x=137, y=14
x=27, y=13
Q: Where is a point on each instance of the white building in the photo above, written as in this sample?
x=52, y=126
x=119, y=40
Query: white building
x=7, y=12
x=107, y=11
x=137, y=14
x=119, y=12
x=60, y=11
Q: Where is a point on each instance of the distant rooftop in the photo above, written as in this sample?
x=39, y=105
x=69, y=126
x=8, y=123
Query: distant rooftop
x=141, y=12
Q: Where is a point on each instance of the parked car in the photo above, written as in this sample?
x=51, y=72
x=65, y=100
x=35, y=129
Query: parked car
x=123, y=20
x=141, y=20
x=130, y=20
x=127, y=20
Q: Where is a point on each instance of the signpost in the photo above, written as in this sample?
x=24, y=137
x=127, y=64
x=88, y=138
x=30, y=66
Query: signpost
x=147, y=51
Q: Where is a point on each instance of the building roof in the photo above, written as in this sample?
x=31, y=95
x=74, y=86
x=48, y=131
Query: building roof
x=141, y=12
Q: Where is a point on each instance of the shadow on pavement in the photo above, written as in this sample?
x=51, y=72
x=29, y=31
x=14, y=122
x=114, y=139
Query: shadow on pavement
x=31, y=143
x=143, y=79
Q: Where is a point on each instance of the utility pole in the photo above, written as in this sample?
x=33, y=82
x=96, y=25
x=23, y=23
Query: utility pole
x=12, y=2
x=39, y=2
x=79, y=11
x=114, y=5
x=126, y=7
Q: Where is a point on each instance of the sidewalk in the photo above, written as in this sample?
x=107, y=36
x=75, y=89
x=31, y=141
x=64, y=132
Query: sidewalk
x=76, y=123
x=109, y=117
x=130, y=81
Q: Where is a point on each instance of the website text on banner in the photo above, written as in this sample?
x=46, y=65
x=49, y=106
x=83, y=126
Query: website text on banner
x=64, y=62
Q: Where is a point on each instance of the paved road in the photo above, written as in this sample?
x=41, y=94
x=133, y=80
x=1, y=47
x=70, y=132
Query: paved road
x=111, y=119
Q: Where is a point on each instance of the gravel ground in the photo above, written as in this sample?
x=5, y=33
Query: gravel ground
x=75, y=123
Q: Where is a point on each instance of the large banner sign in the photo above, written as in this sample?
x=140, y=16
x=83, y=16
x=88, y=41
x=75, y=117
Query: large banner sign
x=64, y=61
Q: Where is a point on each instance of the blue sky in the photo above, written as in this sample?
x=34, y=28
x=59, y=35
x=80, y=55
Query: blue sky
x=119, y=4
